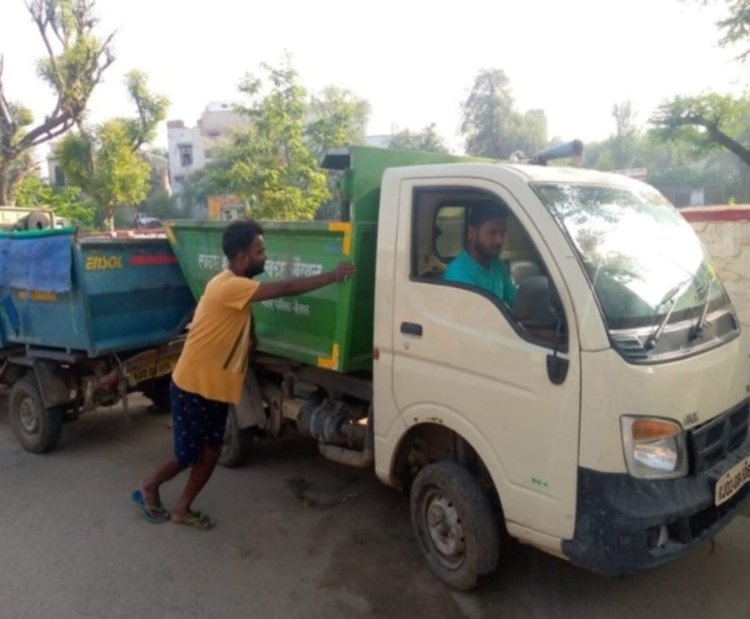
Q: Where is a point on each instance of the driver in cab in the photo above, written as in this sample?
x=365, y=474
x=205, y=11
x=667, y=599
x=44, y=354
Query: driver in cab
x=479, y=264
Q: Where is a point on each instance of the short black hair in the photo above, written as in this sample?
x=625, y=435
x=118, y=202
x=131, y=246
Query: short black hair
x=238, y=236
x=486, y=210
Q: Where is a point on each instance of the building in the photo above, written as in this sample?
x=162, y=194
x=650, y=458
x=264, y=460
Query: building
x=192, y=148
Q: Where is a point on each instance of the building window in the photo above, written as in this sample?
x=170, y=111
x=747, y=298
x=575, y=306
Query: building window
x=186, y=155
x=59, y=177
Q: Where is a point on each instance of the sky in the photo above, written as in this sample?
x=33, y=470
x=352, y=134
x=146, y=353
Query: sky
x=413, y=60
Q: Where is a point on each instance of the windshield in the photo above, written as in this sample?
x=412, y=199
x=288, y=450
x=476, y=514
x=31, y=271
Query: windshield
x=642, y=257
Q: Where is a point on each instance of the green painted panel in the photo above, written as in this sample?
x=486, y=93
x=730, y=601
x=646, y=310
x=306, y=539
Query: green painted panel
x=316, y=328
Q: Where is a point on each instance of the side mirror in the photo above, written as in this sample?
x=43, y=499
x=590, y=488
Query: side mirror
x=535, y=305
x=539, y=309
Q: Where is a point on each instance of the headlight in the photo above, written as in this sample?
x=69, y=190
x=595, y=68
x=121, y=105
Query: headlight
x=654, y=448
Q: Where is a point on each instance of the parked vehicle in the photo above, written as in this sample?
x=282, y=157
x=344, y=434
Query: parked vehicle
x=603, y=418
x=83, y=322
x=141, y=221
x=19, y=218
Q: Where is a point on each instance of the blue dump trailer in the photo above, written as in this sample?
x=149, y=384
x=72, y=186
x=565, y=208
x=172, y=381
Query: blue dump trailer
x=84, y=321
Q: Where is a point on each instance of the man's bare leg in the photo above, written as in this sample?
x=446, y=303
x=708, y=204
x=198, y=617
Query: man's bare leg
x=150, y=486
x=199, y=475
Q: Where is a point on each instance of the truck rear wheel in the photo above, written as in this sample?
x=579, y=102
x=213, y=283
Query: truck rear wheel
x=454, y=524
x=36, y=428
x=237, y=443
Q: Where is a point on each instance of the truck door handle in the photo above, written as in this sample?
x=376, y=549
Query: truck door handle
x=411, y=328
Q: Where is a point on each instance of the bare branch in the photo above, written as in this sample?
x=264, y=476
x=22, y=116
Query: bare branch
x=41, y=23
x=47, y=131
x=6, y=115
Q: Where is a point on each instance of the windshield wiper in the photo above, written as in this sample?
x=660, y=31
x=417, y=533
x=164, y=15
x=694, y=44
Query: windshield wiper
x=697, y=329
x=670, y=298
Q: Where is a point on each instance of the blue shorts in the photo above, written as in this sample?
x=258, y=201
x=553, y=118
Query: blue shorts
x=195, y=422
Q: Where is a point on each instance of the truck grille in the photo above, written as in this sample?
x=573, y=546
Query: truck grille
x=630, y=347
x=711, y=442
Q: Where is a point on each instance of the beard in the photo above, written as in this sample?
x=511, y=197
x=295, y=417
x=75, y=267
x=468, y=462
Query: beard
x=255, y=269
x=488, y=253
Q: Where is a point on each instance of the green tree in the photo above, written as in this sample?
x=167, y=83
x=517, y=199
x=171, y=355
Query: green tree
x=213, y=180
x=339, y=119
x=735, y=26
x=706, y=122
x=529, y=132
x=160, y=204
x=488, y=115
x=427, y=140
x=621, y=150
x=270, y=164
x=105, y=162
x=491, y=125
x=76, y=58
x=66, y=202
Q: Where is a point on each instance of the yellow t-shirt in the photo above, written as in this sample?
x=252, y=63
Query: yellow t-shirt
x=214, y=361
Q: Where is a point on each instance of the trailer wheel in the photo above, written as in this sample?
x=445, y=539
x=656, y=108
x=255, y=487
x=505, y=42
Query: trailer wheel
x=237, y=443
x=454, y=524
x=37, y=428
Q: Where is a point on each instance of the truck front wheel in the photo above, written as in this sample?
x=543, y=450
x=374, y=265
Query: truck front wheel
x=37, y=428
x=454, y=524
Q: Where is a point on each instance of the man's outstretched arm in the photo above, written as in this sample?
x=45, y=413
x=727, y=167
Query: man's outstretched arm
x=301, y=285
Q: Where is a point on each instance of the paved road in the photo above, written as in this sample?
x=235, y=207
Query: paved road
x=297, y=537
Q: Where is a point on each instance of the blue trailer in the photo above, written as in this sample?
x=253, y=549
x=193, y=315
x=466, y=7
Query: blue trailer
x=84, y=321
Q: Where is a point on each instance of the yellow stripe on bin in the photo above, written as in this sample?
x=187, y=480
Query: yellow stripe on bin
x=36, y=295
x=170, y=234
x=346, y=228
x=332, y=362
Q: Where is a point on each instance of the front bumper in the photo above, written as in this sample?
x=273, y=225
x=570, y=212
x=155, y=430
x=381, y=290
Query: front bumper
x=619, y=521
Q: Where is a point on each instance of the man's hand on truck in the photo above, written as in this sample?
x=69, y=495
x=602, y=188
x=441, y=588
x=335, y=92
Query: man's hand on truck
x=342, y=272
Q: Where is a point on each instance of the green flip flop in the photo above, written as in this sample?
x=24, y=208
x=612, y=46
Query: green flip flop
x=198, y=520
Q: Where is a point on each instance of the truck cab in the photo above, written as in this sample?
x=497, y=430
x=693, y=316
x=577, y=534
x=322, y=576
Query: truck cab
x=605, y=413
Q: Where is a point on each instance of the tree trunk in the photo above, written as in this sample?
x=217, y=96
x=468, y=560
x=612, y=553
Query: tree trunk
x=730, y=144
x=109, y=218
x=5, y=184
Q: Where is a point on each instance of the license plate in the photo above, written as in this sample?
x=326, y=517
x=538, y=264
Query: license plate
x=731, y=482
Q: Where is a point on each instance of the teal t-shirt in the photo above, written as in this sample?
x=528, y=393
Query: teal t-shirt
x=495, y=279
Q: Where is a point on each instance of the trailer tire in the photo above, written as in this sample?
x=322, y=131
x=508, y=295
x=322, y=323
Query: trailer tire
x=37, y=429
x=237, y=443
x=455, y=525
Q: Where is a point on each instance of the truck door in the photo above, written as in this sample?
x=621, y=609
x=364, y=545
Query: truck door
x=462, y=360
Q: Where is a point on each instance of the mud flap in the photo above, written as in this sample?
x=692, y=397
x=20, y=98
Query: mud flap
x=52, y=386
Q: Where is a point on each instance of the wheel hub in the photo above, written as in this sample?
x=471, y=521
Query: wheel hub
x=446, y=532
x=28, y=416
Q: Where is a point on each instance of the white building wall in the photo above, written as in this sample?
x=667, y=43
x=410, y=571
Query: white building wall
x=186, y=152
x=725, y=233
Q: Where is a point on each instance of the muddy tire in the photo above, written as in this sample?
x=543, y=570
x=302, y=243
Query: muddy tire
x=455, y=525
x=36, y=428
x=237, y=443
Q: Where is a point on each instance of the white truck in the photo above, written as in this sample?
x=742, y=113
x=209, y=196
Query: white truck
x=603, y=418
